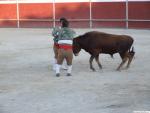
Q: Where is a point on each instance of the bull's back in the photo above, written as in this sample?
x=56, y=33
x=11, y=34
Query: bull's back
x=108, y=43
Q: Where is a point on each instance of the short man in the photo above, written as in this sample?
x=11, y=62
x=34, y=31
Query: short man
x=65, y=41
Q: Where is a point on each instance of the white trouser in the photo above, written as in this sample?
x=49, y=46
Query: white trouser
x=69, y=69
x=64, y=65
x=58, y=68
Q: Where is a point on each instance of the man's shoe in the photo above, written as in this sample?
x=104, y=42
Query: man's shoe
x=57, y=75
x=69, y=74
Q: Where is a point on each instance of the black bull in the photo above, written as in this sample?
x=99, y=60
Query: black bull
x=95, y=43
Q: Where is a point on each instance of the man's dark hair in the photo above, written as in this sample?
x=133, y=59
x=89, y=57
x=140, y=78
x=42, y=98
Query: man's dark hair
x=64, y=22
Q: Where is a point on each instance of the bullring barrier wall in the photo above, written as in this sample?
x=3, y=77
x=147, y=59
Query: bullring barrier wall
x=80, y=13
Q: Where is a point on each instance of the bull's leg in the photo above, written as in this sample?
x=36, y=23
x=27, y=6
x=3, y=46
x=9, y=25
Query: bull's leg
x=91, y=60
x=130, y=56
x=98, y=62
x=122, y=63
x=124, y=59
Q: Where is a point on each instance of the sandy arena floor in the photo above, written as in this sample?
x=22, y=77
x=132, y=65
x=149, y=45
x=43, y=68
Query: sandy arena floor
x=29, y=85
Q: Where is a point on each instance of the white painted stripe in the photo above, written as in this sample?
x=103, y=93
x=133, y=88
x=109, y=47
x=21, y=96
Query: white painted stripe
x=7, y=2
x=62, y=1
x=118, y=0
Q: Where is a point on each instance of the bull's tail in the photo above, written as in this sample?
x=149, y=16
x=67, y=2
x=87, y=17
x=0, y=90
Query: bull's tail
x=132, y=52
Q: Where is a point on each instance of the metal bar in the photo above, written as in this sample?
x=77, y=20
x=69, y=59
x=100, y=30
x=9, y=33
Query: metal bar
x=119, y=20
x=136, y=20
x=76, y=20
x=127, y=14
x=90, y=13
x=43, y=20
x=79, y=19
x=54, y=15
x=18, y=24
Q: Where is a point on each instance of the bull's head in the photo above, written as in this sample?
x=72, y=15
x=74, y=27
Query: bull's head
x=76, y=46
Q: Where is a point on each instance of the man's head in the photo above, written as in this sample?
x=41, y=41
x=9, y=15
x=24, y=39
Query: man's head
x=64, y=22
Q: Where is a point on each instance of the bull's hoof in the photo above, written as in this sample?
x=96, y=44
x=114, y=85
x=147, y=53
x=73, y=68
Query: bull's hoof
x=57, y=75
x=100, y=67
x=118, y=69
x=127, y=67
x=93, y=69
